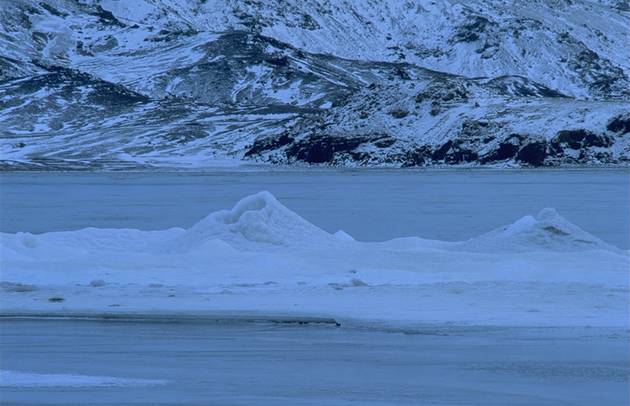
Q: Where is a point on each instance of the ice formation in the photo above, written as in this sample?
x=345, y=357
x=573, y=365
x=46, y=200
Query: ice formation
x=262, y=258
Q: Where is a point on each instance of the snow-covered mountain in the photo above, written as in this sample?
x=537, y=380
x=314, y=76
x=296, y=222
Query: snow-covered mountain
x=89, y=84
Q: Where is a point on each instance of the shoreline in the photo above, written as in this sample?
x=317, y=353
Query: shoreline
x=284, y=169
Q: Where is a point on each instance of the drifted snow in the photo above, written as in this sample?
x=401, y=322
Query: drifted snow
x=256, y=219
x=261, y=258
x=547, y=231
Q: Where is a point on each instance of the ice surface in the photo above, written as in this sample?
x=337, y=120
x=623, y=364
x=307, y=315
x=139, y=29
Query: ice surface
x=261, y=258
x=208, y=363
x=17, y=379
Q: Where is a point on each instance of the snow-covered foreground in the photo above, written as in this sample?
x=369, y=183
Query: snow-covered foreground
x=262, y=259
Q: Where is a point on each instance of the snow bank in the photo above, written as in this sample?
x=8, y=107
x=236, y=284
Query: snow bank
x=548, y=231
x=261, y=258
x=256, y=221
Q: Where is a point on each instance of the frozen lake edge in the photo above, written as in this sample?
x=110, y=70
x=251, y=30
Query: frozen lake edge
x=540, y=270
x=117, y=362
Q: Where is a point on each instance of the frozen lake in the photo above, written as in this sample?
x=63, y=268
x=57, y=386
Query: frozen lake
x=238, y=364
x=65, y=362
x=369, y=205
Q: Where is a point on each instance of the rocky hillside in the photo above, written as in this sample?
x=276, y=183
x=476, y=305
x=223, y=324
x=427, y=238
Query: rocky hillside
x=112, y=84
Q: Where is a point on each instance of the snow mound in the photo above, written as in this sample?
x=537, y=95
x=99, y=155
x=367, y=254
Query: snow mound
x=255, y=220
x=548, y=231
x=343, y=236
